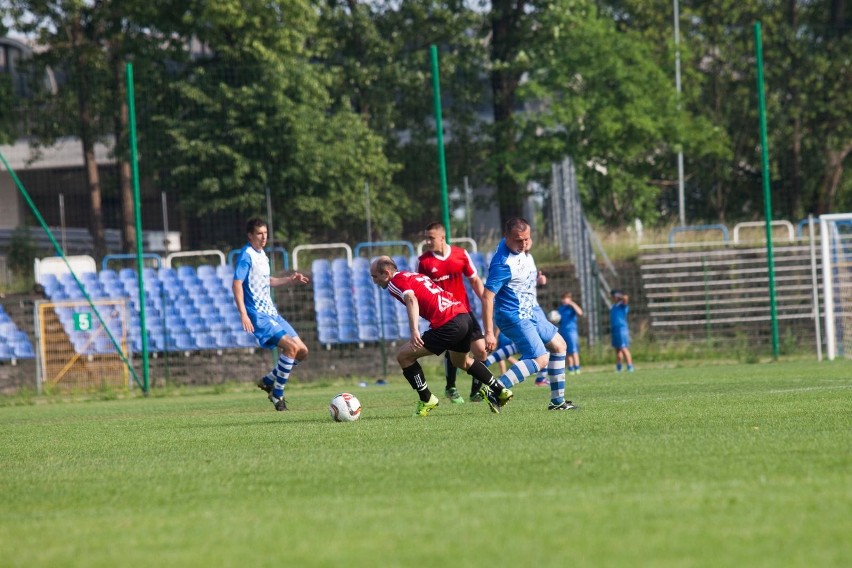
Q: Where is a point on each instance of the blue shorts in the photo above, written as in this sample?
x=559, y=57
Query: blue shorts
x=572, y=338
x=546, y=329
x=503, y=340
x=526, y=338
x=270, y=329
x=620, y=338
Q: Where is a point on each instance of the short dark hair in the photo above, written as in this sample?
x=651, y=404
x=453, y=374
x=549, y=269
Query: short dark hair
x=253, y=224
x=516, y=223
x=434, y=226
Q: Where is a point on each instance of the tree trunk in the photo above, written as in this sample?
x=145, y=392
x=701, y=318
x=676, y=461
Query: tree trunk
x=796, y=181
x=505, y=43
x=121, y=118
x=831, y=178
x=87, y=139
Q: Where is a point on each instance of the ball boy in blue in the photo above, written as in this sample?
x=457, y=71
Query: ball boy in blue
x=619, y=331
x=252, y=283
x=568, y=311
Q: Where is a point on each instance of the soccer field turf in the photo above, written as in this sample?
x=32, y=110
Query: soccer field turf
x=738, y=465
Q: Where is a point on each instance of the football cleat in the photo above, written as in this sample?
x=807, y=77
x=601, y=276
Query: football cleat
x=454, y=395
x=279, y=403
x=489, y=397
x=566, y=405
x=423, y=408
x=504, y=396
x=264, y=387
x=476, y=397
x=542, y=382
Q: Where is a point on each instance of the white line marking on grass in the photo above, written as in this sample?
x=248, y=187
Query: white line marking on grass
x=801, y=389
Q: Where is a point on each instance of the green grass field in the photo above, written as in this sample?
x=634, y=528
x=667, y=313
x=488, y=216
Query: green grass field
x=737, y=465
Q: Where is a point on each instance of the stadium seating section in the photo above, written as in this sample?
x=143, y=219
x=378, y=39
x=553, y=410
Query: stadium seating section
x=185, y=309
x=189, y=309
x=14, y=343
x=351, y=309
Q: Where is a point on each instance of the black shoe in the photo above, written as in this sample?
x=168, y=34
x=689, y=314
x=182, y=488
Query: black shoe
x=567, y=405
x=264, y=387
x=489, y=397
x=280, y=403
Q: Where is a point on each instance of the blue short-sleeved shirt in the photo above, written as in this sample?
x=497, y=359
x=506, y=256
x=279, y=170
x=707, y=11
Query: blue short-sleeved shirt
x=618, y=325
x=512, y=279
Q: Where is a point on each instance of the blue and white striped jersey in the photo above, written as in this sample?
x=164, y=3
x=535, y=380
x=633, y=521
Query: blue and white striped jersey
x=253, y=270
x=512, y=278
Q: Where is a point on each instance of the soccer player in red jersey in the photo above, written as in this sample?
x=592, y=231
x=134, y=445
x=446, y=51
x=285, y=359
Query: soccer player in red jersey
x=448, y=266
x=451, y=328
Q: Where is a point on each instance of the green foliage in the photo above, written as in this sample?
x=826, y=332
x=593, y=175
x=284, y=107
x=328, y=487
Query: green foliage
x=22, y=252
x=247, y=118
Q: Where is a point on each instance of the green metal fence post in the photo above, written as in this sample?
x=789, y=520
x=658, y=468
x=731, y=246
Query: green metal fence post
x=137, y=206
x=439, y=131
x=767, y=198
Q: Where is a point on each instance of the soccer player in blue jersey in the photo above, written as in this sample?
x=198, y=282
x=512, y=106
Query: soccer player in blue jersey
x=509, y=302
x=619, y=331
x=252, y=282
x=568, y=312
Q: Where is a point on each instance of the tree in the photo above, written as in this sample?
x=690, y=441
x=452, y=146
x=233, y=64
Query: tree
x=68, y=28
x=252, y=113
x=598, y=93
x=378, y=55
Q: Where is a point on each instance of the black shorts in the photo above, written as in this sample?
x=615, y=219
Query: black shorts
x=455, y=335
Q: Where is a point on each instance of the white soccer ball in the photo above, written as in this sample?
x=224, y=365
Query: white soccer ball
x=345, y=407
x=554, y=316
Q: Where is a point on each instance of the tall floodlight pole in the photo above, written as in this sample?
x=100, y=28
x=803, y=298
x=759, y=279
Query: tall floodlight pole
x=767, y=197
x=680, y=197
x=439, y=130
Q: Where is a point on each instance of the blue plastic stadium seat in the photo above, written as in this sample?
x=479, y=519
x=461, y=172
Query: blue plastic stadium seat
x=401, y=262
x=49, y=280
x=202, y=300
x=244, y=339
x=347, y=333
x=368, y=332
x=390, y=330
x=224, y=339
x=166, y=273
x=206, y=341
x=339, y=264
x=225, y=271
x=184, y=342
x=6, y=351
x=107, y=275
x=365, y=316
x=346, y=316
x=8, y=329
x=196, y=325
x=205, y=270
x=327, y=334
x=23, y=350
x=185, y=272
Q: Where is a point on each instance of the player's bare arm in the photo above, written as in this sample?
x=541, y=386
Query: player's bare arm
x=477, y=285
x=413, y=310
x=488, y=320
x=295, y=278
x=237, y=288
